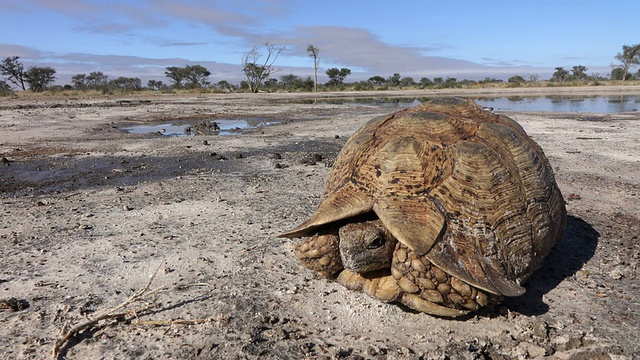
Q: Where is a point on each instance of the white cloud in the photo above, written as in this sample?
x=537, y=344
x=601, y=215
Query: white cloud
x=240, y=26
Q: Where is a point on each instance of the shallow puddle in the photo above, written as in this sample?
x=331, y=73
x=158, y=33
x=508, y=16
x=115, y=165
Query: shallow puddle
x=199, y=127
x=555, y=103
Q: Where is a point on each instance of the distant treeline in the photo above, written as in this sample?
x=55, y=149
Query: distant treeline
x=258, y=77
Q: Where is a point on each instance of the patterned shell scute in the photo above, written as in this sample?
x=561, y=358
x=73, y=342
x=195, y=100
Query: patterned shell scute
x=465, y=187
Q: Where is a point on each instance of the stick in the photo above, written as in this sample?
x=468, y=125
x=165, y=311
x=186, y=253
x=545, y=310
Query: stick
x=172, y=322
x=63, y=340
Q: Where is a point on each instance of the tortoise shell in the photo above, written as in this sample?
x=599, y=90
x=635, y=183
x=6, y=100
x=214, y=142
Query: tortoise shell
x=462, y=186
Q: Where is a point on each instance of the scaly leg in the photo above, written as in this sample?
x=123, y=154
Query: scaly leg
x=321, y=253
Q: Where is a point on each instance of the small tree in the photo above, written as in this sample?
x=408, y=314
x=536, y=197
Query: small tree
x=579, y=72
x=516, y=80
x=489, y=80
x=39, y=78
x=407, y=81
x=629, y=56
x=155, y=84
x=5, y=89
x=177, y=75
x=270, y=83
x=560, y=75
x=126, y=84
x=619, y=74
x=97, y=80
x=196, y=76
x=336, y=77
x=314, y=52
x=394, y=80
x=79, y=81
x=376, y=80
x=425, y=83
x=256, y=74
x=288, y=81
x=224, y=85
x=14, y=71
x=450, y=82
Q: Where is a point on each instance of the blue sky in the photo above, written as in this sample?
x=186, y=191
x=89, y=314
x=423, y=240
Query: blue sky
x=461, y=39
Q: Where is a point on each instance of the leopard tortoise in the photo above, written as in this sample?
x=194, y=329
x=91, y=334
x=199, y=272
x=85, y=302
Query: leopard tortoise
x=445, y=207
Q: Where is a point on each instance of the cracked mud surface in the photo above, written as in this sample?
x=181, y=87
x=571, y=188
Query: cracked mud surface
x=89, y=212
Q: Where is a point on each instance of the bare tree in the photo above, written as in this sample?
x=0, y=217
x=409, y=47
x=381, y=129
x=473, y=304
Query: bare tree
x=14, y=70
x=314, y=52
x=629, y=56
x=255, y=73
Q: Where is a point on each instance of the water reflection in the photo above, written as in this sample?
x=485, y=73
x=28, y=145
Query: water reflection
x=560, y=103
x=556, y=103
x=192, y=128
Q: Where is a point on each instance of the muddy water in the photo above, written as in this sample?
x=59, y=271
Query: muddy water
x=183, y=128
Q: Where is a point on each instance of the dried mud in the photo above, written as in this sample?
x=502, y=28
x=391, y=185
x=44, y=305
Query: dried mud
x=89, y=212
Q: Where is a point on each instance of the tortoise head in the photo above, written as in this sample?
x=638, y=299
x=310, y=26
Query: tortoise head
x=366, y=246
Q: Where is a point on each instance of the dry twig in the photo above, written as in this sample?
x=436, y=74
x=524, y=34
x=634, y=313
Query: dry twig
x=67, y=335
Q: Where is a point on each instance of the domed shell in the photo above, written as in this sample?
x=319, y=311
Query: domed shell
x=465, y=187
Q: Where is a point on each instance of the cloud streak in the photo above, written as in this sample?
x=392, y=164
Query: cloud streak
x=234, y=26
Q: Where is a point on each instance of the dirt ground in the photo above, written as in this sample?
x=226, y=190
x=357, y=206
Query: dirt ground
x=89, y=213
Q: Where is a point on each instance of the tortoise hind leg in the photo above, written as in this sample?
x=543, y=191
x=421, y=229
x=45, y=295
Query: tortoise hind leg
x=429, y=289
x=418, y=303
x=385, y=287
x=321, y=253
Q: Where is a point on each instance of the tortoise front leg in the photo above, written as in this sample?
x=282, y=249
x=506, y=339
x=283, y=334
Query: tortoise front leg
x=386, y=288
x=321, y=253
x=375, y=284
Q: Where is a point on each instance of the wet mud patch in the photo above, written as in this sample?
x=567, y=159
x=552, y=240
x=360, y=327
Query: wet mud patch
x=42, y=170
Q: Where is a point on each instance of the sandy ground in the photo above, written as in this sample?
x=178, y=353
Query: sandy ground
x=88, y=213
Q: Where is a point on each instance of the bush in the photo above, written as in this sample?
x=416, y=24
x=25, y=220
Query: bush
x=516, y=80
x=5, y=89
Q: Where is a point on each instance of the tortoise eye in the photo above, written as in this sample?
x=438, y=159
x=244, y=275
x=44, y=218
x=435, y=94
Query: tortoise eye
x=378, y=242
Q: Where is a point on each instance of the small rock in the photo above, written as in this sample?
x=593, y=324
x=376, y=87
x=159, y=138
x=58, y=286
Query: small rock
x=526, y=350
x=280, y=166
x=541, y=329
x=127, y=208
x=276, y=156
x=566, y=342
x=312, y=160
x=616, y=273
x=13, y=304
